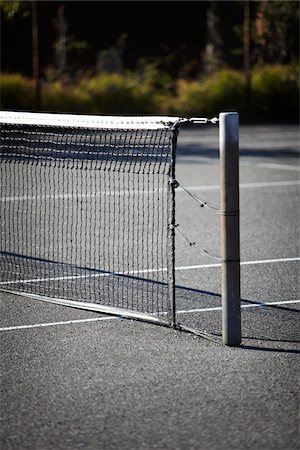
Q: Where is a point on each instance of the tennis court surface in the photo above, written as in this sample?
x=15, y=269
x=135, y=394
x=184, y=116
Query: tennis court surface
x=81, y=379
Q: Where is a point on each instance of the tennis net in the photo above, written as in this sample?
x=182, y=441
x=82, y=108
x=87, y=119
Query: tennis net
x=87, y=211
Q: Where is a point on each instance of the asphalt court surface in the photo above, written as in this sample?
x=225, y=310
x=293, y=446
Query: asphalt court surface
x=77, y=379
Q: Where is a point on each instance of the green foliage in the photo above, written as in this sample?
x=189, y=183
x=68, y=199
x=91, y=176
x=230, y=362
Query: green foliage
x=16, y=92
x=149, y=74
x=274, y=94
x=59, y=98
x=109, y=93
x=11, y=8
x=103, y=94
x=225, y=90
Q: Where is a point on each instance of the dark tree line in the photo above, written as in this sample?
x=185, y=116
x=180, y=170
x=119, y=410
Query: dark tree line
x=184, y=38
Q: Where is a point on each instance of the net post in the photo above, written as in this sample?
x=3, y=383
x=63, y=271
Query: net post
x=230, y=228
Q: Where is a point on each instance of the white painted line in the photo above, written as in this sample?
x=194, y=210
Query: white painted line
x=212, y=187
x=270, y=184
x=201, y=266
x=264, y=184
x=272, y=166
x=268, y=261
x=243, y=263
x=52, y=324
x=79, y=195
x=90, y=275
x=252, y=305
x=145, y=271
x=98, y=319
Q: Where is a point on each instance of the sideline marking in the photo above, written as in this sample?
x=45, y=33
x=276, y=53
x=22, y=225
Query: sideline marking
x=243, y=263
x=272, y=166
x=212, y=187
x=145, y=271
x=51, y=324
x=262, y=184
x=252, y=305
x=97, y=319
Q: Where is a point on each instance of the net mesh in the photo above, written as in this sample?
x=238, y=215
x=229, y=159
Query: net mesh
x=85, y=211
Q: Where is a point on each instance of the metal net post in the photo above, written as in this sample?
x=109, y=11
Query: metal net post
x=230, y=228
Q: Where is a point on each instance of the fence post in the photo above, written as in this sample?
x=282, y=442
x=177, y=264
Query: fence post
x=230, y=228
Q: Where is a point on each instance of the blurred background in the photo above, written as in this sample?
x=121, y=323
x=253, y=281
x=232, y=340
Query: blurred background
x=152, y=57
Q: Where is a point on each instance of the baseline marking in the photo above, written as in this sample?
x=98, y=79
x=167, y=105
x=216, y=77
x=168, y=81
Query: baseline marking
x=97, y=319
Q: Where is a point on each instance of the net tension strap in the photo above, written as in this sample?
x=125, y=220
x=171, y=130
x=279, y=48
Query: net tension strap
x=198, y=120
x=204, y=120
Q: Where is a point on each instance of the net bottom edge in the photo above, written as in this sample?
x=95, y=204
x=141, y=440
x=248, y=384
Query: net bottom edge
x=120, y=312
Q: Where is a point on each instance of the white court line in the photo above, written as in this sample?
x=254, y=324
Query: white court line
x=97, y=319
x=264, y=184
x=72, y=195
x=77, y=277
x=243, y=263
x=52, y=324
x=120, y=193
x=252, y=305
x=272, y=166
x=145, y=271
